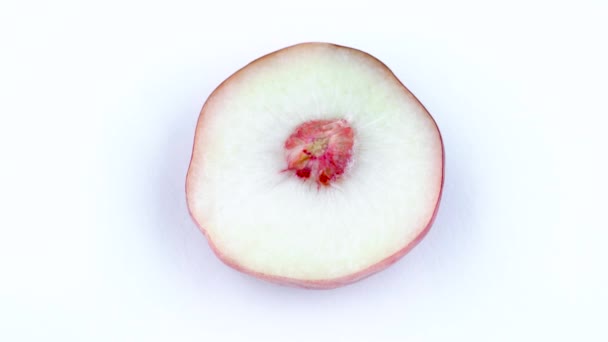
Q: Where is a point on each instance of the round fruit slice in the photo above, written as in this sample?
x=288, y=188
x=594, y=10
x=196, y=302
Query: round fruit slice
x=314, y=166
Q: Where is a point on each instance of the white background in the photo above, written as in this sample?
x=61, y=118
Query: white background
x=98, y=103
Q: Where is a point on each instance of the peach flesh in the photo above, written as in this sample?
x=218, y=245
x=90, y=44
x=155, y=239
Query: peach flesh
x=319, y=148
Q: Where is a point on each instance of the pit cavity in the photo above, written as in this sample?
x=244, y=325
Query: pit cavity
x=320, y=150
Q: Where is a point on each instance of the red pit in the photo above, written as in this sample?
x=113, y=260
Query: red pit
x=320, y=149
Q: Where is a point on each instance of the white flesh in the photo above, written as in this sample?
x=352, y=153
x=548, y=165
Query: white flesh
x=270, y=221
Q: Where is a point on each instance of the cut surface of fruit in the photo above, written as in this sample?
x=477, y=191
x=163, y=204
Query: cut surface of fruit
x=314, y=166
